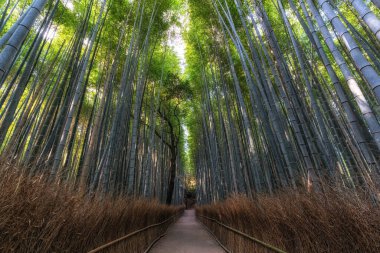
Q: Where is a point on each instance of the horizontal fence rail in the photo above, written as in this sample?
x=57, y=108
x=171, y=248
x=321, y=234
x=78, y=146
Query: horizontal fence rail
x=107, y=245
x=266, y=245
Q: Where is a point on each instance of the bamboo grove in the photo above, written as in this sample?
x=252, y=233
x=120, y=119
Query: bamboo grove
x=90, y=95
x=276, y=94
x=289, y=96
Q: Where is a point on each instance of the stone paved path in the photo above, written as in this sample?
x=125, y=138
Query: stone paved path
x=187, y=235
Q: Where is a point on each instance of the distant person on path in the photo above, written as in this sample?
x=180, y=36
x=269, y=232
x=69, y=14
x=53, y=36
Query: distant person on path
x=189, y=200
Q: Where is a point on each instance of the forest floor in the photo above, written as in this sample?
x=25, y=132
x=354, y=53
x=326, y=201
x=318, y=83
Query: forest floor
x=295, y=221
x=187, y=235
x=37, y=216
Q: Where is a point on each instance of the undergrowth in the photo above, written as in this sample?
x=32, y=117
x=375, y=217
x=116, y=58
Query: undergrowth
x=297, y=222
x=36, y=216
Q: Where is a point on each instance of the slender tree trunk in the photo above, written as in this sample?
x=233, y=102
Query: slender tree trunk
x=367, y=16
x=359, y=59
x=15, y=42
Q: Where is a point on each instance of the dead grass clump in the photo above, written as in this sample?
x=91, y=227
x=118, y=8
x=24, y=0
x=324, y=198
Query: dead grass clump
x=40, y=217
x=298, y=222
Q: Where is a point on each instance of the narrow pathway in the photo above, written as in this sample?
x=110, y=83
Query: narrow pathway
x=187, y=235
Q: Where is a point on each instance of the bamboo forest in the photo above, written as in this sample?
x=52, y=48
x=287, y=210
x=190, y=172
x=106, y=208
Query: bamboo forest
x=189, y=126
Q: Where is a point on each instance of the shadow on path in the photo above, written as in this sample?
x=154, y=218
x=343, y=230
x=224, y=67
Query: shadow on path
x=187, y=235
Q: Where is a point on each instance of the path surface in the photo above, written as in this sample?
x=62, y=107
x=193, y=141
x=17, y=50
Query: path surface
x=187, y=235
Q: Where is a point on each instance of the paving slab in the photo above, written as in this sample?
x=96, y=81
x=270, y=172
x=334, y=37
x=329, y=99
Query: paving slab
x=187, y=235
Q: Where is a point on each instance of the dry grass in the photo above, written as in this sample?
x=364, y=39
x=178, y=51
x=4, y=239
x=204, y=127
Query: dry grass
x=298, y=222
x=40, y=217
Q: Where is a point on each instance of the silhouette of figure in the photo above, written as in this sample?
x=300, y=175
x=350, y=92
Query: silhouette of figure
x=189, y=200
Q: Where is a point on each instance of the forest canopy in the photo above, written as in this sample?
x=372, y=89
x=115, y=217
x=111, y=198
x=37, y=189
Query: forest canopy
x=273, y=95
